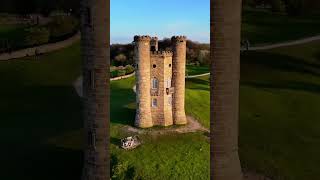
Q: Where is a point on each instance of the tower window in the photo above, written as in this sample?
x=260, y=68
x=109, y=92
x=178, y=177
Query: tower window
x=153, y=48
x=91, y=79
x=92, y=139
x=154, y=103
x=155, y=83
x=154, y=66
x=170, y=100
x=169, y=83
x=169, y=65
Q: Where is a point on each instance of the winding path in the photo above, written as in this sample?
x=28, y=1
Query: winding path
x=284, y=44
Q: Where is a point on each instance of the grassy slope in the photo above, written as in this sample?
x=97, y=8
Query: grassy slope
x=194, y=70
x=279, y=127
x=38, y=104
x=265, y=27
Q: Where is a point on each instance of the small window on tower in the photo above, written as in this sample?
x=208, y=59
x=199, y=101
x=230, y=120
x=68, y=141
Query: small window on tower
x=154, y=103
x=154, y=83
x=154, y=66
x=169, y=83
x=153, y=48
x=91, y=79
x=92, y=139
x=169, y=65
x=170, y=100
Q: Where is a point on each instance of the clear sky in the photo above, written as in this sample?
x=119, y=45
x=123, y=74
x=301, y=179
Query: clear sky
x=162, y=18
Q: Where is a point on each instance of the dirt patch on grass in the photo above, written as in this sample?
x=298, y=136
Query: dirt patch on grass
x=192, y=126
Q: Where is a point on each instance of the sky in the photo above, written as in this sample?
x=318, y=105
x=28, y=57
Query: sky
x=161, y=18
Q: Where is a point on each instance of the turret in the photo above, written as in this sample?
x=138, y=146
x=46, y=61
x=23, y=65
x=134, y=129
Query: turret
x=154, y=44
x=142, y=59
x=178, y=78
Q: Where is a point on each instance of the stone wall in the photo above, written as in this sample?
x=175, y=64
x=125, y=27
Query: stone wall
x=161, y=114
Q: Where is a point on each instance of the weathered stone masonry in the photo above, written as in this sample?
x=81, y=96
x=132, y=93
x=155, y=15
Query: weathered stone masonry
x=160, y=77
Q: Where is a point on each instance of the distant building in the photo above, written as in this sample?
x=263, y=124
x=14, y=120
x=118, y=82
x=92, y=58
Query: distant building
x=160, y=82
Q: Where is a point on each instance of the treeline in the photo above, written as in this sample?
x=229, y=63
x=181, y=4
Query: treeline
x=290, y=7
x=197, y=53
x=58, y=28
x=43, y=7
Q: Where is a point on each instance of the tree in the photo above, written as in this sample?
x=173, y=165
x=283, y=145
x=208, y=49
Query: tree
x=121, y=59
x=224, y=94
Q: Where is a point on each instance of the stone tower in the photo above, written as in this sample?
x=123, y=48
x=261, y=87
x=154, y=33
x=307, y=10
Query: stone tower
x=142, y=59
x=178, y=78
x=95, y=41
x=155, y=90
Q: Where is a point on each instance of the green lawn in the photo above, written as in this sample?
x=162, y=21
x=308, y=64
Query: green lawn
x=195, y=70
x=13, y=33
x=264, y=27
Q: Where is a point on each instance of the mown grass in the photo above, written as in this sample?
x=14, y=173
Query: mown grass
x=38, y=106
x=262, y=27
x=279, y=124
x=195, y=70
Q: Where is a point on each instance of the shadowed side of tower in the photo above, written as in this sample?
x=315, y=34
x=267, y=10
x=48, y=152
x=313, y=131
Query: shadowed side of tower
x=95, y=41
x=178, y=78
x=142, y=58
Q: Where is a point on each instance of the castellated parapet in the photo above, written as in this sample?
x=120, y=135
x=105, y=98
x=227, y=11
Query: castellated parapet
x=155, y=91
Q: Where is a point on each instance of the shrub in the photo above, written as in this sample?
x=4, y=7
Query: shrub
x=121, y=72
x=114, y=73
x=36, y=36
x=129, y=69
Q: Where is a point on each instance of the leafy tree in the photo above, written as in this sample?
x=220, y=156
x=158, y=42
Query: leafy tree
x=121, y=58
x=129, y=69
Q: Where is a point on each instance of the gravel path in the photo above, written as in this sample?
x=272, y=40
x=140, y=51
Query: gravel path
x=283, y=44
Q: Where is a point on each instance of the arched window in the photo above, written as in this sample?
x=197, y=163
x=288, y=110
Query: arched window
x=154, y=83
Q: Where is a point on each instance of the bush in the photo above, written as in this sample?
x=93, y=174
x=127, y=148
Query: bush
x=62, y=26
x=121, y=72
x=114, y=73
x=36, y=36
x=129, y=69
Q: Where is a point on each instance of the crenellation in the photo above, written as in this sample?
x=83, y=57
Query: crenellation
x=142, y=38
x=162, y=53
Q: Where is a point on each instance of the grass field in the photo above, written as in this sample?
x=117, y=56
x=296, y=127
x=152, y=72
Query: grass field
x=41, y=130
x=262, y=27
x=194, y=70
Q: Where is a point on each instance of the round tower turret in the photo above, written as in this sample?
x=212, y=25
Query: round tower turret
x=178, y=78
x=142, y=58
